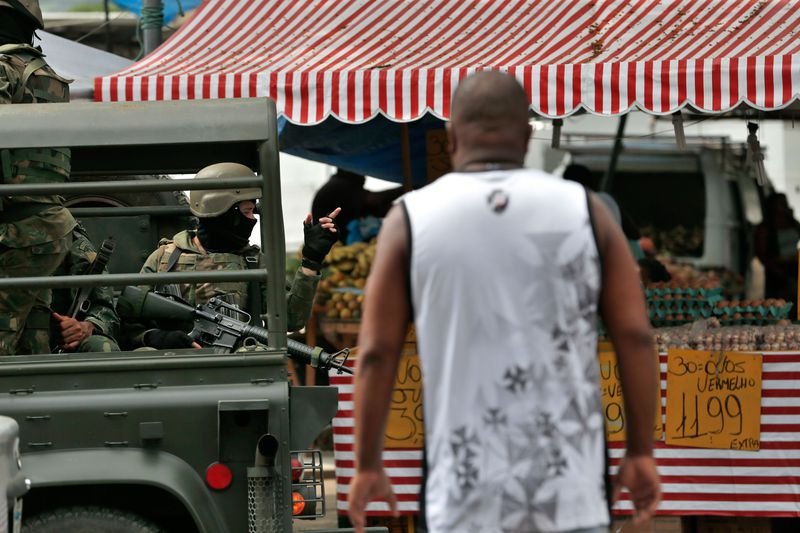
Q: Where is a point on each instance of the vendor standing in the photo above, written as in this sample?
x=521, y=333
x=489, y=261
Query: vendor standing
x=345, y=189
x=776, y=241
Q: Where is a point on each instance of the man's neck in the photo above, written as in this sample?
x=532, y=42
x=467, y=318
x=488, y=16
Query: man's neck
x=485, y=166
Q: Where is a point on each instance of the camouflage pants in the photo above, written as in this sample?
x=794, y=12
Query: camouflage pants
x=16, y=304
x=98, y=343
x=37, y=340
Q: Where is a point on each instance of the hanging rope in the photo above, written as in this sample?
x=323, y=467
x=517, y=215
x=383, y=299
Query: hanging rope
x=151, y=17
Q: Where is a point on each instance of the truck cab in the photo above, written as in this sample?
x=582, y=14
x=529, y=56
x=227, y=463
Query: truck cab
x=179, y=440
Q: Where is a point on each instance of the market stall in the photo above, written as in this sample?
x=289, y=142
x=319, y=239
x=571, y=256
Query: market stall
x=366, y=86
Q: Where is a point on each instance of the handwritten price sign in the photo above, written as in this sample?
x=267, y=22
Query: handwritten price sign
x=714, y=399
x=405, y=427
x=611, y=395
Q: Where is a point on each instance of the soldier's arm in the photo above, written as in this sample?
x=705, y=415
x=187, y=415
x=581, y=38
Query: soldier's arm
x=299, y=299
x=102, y=314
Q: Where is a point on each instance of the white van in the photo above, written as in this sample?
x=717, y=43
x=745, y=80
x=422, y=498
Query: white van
x=701, y=204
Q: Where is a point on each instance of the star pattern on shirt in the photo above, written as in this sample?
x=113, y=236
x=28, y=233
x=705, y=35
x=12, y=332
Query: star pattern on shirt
x=516, y=379
x=464, y=446
x=494, y=418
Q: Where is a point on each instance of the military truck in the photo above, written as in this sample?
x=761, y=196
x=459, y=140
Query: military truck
x=180, y=440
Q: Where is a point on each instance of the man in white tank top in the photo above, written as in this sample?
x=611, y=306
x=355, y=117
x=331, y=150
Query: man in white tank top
x=503, y=270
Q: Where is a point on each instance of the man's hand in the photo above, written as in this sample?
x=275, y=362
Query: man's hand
x=73, y=331
x=318, y=240
x=367, y=486
x=638, y=474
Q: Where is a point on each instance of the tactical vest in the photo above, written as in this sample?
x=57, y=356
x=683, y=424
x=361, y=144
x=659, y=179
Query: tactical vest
x=38, y=83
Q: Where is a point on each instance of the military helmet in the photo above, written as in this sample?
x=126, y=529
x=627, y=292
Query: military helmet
x=29, y=8
x=213, y=203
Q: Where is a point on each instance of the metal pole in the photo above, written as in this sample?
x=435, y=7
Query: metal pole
x=109, y=41
x=272, y=238
x=608, y=178
x=405, y=151
x=151, y=21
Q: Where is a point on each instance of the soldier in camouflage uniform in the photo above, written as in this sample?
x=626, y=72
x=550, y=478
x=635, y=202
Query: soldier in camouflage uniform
x=94, y=330
x=221, y=242
x=35, y=231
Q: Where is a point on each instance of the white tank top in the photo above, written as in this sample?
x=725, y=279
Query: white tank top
x=505, y=279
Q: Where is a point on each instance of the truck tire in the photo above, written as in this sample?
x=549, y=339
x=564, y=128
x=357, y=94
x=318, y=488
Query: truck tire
x=88, y=520
x=125, y=198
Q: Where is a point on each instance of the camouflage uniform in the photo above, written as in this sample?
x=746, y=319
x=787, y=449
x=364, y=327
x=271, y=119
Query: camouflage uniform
x=101, y=314
x=299, y=295
x=35, y=231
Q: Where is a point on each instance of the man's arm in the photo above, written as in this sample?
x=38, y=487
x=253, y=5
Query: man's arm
x=299, y=298
x=383, y=330
x=622, y=306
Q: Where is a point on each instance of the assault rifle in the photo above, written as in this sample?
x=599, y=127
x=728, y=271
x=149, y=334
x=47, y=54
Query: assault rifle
x=82, y=302
x=217, y=324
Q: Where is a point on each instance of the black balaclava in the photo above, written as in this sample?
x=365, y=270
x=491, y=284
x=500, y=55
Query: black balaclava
x=229, y=232
x=15, y=28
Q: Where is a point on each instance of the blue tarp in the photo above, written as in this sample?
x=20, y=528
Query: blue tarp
x=170, y=7
x=372, y=148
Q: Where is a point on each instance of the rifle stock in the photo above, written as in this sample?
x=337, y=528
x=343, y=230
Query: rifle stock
x=212, y=327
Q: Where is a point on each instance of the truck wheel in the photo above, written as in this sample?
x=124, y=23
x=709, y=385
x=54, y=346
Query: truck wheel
x=88, y=520
x=125, y=198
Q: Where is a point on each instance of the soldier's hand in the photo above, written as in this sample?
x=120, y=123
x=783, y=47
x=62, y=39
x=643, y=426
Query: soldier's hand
x=162, y=339
x=73, y=331
x=318, y=239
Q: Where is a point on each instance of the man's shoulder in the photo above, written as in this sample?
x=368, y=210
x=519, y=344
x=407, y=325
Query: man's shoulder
x=182, y=240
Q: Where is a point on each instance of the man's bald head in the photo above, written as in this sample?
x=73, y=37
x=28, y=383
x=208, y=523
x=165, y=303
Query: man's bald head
x=489, y=120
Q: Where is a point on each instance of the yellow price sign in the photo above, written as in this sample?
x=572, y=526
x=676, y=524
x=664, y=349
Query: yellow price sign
x=613, y=405
x=714, y=399
x=405, y=427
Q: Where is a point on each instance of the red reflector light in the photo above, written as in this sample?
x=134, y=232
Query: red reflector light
x=297, y=469
x=218, y=476
x=298, y=503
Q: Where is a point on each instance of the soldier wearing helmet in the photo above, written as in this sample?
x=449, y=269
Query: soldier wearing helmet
x=35, y=231
x=226, y=218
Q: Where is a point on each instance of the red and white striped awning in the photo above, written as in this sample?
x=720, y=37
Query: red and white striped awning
x=354, y=59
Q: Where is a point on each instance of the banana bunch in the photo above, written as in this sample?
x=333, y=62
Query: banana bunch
x=353, y=262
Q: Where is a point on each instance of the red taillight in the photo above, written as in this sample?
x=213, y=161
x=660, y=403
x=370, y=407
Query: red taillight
x=218, y=476
x=297, y=469
x=298, y=503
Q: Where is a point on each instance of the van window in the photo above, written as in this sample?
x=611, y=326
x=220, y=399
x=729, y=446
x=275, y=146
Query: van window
x=668, y=207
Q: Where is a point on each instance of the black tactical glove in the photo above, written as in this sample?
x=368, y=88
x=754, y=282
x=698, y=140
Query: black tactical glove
x=318, y=242
x=162, y=339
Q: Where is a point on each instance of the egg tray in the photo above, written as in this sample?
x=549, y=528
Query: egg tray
x=713, y=294
x=760, y=315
